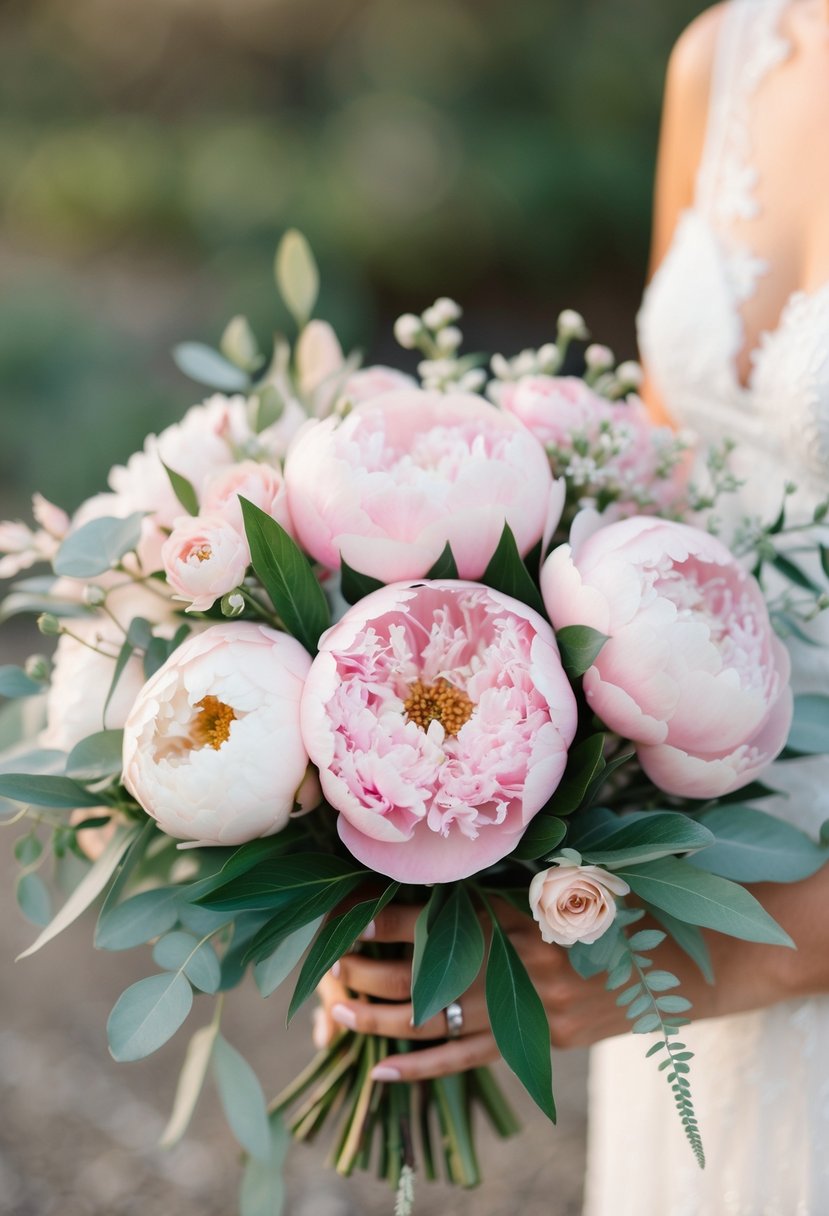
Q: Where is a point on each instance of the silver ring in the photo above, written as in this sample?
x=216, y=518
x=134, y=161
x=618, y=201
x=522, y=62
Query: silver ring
x=454, y=1020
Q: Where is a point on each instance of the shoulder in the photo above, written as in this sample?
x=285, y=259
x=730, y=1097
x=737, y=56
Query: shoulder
x=691, y=64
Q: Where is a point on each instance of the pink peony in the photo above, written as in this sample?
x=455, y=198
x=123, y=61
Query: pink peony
x=204, y=557
x=258, y=483
x=212, y=747
x=405, y=472
x=439, y=716
x=574, y=903
x=692, y=671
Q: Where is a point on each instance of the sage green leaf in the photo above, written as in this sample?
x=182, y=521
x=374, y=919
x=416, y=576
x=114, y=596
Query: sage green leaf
x=180, y=951
x=273, y=970
x=285, y=573
x=147, y=1015
x=689, y=938
x=333, y=941
x=97, y=546
x=580, y=646
x=355, y=586
x=647, y=837
x=242, y=1098
x=661, y=981
x=752, y=846
x=33, y=899
x=703, y=899
x=190, y=1084
x=40, y=789
x=646, y=1024
x=445, y=566
x=88, y=889
x=96, y=756
x=809, y=734
x=544, y=834
x=138, y=920
x=507, y=573
x=519, y=1022
x=270, y=407
x=183, y=490
x=297, y=276
x=451, y=957
x=672, y=1004
x=646, y=939
x=206, y=366
x=15, y=683
x=245, y=858
x=278, y=882
x=262, y=1192
x=27, y=849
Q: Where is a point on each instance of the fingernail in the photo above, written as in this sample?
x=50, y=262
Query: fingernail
x=384, y=1072
x=336, y=969
x=369, y=932
x=319, y=1029
x=345, y=1016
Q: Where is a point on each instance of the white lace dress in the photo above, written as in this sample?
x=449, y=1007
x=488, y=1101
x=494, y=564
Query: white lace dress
x=760, y=1080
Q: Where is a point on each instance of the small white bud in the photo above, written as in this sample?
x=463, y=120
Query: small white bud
x=548, y=357
x=598, y=358
x=500, y=367
x=449, y=339
x=37, y=668
x=525, y=364
x=630, y=374
x=443, y=312
x=571, y=325
x=49, y=625
x=473, y=380
x=233, y=604
x=94, y=596
x=407, y=330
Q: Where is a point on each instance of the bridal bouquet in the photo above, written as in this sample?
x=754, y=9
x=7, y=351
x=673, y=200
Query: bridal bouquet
x=343, y=637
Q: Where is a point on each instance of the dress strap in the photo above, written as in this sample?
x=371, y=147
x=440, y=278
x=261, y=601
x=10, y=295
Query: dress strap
x=750, y=45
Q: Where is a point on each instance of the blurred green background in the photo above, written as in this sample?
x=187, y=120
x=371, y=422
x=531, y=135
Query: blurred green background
x=152, y=151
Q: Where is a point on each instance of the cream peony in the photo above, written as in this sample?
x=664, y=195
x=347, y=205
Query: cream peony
x=212, y=747
x=574, y=903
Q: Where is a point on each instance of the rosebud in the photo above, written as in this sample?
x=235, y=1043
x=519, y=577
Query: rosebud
x=49, y=625
x=239, y=344
x=407, y=330
x=233, y=604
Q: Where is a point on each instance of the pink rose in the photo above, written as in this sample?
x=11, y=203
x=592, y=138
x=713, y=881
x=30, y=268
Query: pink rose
x=204, y=557
x=574, y=903
x=692, y=671
x=404, y=473
x=212, y=746
x=439, y=717
x=258, y=483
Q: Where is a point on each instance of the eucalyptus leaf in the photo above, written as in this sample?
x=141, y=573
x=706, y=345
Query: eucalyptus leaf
x=273, y=970
x=206, y=366
x=40, y=789
x=749, y=845
x=33, y=899
x=451, y=956
x=262, y=1192
x=242, y=1098
x=190, y=1084
x=297, y=276
x=15, y=683
x=138, y=920
x=27, y=849
x=147, y=1015
x=809, y=734
x=96, y=756
x=580, y=646
x=95, y=547
x=180, y=951
x=507, y=573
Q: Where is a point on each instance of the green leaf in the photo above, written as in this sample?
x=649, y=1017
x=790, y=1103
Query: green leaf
x=96, y=756
x=45, y=790
x=445, y=566
x=689, y=939
x=27, y=849
x=646, y=939
x=15, y=683
x=270, y=407
x=182, y=952
x=183, y=490
x=584, y=762
x=791, y=571
x=97, y=546
x=519, y=1022
x=507, y=573
x=88, y=889
x=147, y=1015
x=661, y=981
x=33, y=899
x=752, y=846
x=297, y=276
x=138, y=920
x=672, y=1004
x=244, y=859
x=580, y=647
x=451, y=956
x=809, y=735
x=281, y=880
x=276, y=968
x=604, y=774
x=334, y=940
x=355, y=586
x=190, y=1084
x=286, y=575
x=544, y=834
x=206, y=366
x=262, y=1192
x=653, y=835
x=242, y=1098
x=703, y=899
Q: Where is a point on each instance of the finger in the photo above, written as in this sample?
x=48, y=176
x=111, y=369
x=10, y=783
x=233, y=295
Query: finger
x=470, y=1051
x=394, y=924
x=391, y=980
x=395, y=1021
x=331, y=990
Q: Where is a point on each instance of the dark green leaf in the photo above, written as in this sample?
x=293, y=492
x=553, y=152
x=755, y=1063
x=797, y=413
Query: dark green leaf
x=206, y=366
x=451, y=957
x=544, y=834
x=155, y=656
x=276, y=883
x=43, y=790
x=751, y=846
x=147, y=1015
x=286, y=575
x=604, y=774
x=333, y=941
x=584, y=763
x=355, y=586
x=97, y=546
x=183, y=490
x=656, y=834
x=124, y=656
x=507, y=573
x=445, y=566
x=580, y=647
x=791, y=571
x=519, y=1021
x=96, y=756
x=15, y=683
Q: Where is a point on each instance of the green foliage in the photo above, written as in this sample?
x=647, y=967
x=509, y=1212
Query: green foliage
x=286, y=574
x=354, y=586
x=751, y=846
x=297, y=276
x=190, y=1084
x=544, y=834
x=242, y=1098
x=262, y=1192
x=585, y=762
x=96, y=756
x=183, y=490
x=449, y=955
x=275, y=969
x=15, y=683
x=140, y=919
x=445, y=566
x=632, y=840
x=46, y=790
x=180, y=951
x=96, y=547
x=580, y=646
x=33, y=898
x=809, y=735
x=507, y=573
x=206, y=366
x=147, y=1015
x=278, y=882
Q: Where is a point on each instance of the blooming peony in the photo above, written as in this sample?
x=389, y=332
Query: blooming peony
x=258, y=483
x=439, y=716
x=204, y=557
x=692, y=671
x=574, y=903
x=212, y=747
x=407, y=471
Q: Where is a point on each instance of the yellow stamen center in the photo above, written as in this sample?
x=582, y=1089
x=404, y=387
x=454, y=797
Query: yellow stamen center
x=211, y=728
x=438, y=702
x=203, y=553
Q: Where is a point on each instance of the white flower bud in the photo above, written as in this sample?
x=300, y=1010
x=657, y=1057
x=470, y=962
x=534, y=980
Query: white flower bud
x=37, y=668
x=473, y=380
x=239, y=345
x=630, y=374
x=598, y=358
x=443, y=312
x=233, y=604
x=94, y=596
x=549, y=357
x=500, y=367
x=571, y=325
x=407, y=330
x=449, y=339
x=524, y=364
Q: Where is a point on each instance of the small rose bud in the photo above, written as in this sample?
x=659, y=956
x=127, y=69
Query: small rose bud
x=407, y=330
x=49, y=625
x=37, y=667
x=233, y=604
x=239, y=345
x=94, y=596
x=571, y=325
